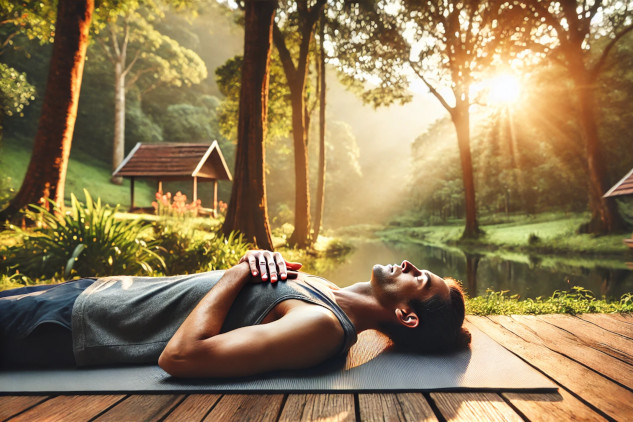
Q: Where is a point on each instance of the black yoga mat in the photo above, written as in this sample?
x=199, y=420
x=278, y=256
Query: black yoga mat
x=370, y=367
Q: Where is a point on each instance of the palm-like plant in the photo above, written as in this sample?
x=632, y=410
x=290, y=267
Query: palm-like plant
x=86, y=241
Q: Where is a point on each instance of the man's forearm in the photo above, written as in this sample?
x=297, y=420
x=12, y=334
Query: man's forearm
x=208, y=316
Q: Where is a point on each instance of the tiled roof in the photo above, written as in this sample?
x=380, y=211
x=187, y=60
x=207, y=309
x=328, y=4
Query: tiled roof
x=623, y=187
x=171, y=160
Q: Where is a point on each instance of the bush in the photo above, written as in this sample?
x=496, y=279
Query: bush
x=183, y=254
x=86, y=241
x=578, y=300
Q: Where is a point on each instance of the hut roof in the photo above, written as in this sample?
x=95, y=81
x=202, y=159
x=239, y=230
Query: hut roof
x=175, y=161
x=623, y=187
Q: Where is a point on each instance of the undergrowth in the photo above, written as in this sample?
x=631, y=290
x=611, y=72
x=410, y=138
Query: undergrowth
x=578, y=300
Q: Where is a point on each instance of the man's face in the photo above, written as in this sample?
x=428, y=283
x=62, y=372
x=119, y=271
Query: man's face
x=395, y=284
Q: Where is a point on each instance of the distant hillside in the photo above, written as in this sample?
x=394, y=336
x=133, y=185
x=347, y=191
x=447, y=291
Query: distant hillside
x=84, y=171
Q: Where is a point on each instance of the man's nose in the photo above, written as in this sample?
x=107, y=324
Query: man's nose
x=407, y=266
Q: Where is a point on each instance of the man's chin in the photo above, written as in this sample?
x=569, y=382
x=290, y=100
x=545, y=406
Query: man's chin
x=379, y=274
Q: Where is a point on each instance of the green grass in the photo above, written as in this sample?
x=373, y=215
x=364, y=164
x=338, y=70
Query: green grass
x=542, y=234
x=84, y=172
x=577, y=301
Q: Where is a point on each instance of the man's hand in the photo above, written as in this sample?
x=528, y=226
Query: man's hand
x=270, y=265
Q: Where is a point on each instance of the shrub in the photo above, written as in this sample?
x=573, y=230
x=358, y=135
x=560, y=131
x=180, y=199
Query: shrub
x=183, y=254
x=578, y=300
x=533, y=239
x=88, y=240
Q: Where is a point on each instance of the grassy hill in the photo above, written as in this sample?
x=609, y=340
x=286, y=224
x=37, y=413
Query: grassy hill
x=84, y=171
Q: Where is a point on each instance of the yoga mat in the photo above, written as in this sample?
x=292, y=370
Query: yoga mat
x=371, y=367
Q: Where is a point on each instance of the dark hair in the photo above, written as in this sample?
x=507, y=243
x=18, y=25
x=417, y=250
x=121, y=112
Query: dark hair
x=440, y=328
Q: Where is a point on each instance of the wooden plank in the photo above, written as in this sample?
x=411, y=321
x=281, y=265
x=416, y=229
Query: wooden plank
x=554, y=407
x=71, y=408
x=628, y=317
x=474, y=407
x=319, y=407
x=12, y=405
x=610, y=323
x=252, y=408
x=594, y=336
x=552, y=337
x=395, y=407
x=142, y=407
x=603, y=394
x=194, y=408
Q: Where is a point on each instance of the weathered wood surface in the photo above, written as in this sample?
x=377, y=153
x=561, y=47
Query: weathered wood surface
x=69, y=408
x=615, y=323
x=471, y=407
x=589, y=356
x=395, y=407
x=598, y=391
x=310, y=407
x=12, y=405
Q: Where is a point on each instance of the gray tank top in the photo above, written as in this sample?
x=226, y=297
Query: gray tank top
x=131, y=319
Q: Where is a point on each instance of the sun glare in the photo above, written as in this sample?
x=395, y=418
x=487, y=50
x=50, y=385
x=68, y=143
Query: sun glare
x=503, y=89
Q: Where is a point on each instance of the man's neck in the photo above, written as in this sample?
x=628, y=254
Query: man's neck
x=360, y=305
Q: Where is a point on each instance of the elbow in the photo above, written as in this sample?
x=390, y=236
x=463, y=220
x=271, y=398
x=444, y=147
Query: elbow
x=173, y=362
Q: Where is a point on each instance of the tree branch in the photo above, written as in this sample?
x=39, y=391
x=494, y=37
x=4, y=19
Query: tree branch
x=432, y=89
x=286, y=59
x=129, y=67
x=593, y=74
x=115, y=41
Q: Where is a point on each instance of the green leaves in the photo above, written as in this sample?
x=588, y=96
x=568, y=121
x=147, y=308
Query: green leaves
x=86, y=241
x=578, y=300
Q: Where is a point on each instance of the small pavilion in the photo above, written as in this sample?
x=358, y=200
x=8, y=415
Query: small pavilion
x=623, y=187
x=166, y=162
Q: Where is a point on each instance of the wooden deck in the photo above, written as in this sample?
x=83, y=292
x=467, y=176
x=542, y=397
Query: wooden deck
x=589, y=356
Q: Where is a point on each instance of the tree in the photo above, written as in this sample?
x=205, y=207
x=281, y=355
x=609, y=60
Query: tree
x=46, y=173
x=446, y=44
x=300, y=20
x=576, y=25
x=142, y=55
x=248, y=210
x=35, y=21
x=320, y=196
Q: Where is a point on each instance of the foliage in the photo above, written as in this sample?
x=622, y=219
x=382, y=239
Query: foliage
x=228, y=78
x=88, y=240
x=190, y=123
x=184, y=254
x=15, y=91
x=577, y=301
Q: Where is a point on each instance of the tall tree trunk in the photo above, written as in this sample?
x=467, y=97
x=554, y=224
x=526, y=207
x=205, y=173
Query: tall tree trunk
x=118, y=143
x=46, y=174
x=301, y=235
x=248, y=210
x=604, y=214
x=461, y=120
x=320, y=196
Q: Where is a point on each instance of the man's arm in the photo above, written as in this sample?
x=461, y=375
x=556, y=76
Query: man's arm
x=304, y=336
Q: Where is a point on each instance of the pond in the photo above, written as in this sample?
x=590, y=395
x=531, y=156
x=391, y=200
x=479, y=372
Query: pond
x=524, y=275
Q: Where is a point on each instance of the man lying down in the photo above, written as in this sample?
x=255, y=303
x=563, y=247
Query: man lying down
x=258, y=316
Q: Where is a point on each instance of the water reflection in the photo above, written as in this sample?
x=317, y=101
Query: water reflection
x=525, y=276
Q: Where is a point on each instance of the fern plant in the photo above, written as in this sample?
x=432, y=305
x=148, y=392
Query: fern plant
x=88, y=240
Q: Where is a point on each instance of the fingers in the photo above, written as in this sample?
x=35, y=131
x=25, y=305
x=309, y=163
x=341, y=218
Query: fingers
x=269, y=266
x=281, y=265
x=252, y=263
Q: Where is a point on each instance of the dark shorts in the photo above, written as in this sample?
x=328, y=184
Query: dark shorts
x=35, y=324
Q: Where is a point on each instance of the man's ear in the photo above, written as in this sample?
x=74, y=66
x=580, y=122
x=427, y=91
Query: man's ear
x=407, y=318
